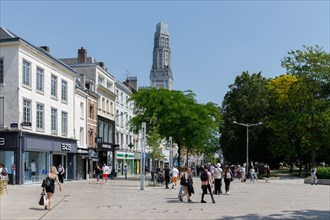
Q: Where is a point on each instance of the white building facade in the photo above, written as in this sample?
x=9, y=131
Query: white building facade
x=93, y=76
x=129, y=152
x=37, y=97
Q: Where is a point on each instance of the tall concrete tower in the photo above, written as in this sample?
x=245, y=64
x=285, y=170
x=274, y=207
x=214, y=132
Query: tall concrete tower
x=161, y=71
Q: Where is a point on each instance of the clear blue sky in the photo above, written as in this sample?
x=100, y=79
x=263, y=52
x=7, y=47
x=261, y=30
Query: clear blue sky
x=211, y=41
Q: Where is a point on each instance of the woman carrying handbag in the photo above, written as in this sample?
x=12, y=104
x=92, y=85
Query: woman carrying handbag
x=49, y=185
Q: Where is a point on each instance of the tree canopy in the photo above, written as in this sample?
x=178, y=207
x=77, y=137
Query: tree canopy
x=178, y=115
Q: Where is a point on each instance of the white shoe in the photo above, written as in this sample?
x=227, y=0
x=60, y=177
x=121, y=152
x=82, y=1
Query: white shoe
x=227, y=193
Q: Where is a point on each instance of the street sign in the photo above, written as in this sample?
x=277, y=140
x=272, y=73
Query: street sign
x=116, y=146
x=98, y=140
x=26, y=123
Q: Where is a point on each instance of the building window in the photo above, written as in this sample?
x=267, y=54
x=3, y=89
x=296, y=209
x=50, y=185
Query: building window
x=64, y=94
x=26, y=73
x=81, y=110
x=103, y=104
x=54, y=120
x=2, y=111
x=64, y=123
x=109, y=86
x=101, y=80
x=107, y=106
x=40, y=116
x=91, y=111
x=27, y=109
x=53, y=86
x=40, y=79
x=81, y=136
x=2, y=80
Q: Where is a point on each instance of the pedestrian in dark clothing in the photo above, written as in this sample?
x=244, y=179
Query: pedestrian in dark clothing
x=166, y=174
x=228, y=177
x=61, y=172
x=97, y=172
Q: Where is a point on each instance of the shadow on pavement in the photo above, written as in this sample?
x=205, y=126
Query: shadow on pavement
x=299, y=214
x=38, y=209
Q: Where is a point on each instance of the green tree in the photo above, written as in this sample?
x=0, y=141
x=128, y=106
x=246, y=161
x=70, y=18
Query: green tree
x=246, y=102
x=153, y=140
x=288, y=118
x=312, y=66
x=178, y=115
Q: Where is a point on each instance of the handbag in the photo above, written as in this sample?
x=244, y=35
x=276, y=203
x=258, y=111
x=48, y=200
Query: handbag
x=42, y=198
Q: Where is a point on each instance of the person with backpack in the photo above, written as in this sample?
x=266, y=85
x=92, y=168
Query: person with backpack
x=3, y=172
x=207, y=183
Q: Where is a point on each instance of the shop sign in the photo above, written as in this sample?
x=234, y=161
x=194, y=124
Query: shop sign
x=125, y=155
x=82, y=151
x=66, y=147
x=106, y=146
x=2, y=141
x=13, y=125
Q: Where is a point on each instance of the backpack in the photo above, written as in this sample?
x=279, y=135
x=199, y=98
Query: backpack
x=204, y=176
x=4, y=172
x=183, y=181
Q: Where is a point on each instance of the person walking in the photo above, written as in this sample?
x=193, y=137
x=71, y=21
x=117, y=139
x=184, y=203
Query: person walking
x=105, y=173
x=252, y=173
x=125, y=172
x=243, y=173
x=217, y=179
x=61, y=172
x=97, y=172
x=3, y=172
x=33, y=168
x=238, y=172
x=166, y=174
x=50, y=188
x=314, y=176
x=267, y=173
x=184, y=182
x=206, y=182
x=175, y=174
x=227, y=178
x=183, y=170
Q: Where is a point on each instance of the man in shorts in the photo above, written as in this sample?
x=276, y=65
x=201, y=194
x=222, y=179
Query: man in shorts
x=175, y=174
x=105, y=173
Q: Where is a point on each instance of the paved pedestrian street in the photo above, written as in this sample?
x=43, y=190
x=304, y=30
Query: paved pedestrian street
x=123, y=199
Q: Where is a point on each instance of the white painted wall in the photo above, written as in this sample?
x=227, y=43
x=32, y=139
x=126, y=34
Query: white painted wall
x=14, y=92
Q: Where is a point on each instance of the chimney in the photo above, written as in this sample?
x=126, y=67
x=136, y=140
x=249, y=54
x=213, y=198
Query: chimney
x=82, y=81
x=82, y=55
x=131, y=81
x=101, y=64
x=45, y=48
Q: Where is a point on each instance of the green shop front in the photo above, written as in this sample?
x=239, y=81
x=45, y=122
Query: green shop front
x=124, y=159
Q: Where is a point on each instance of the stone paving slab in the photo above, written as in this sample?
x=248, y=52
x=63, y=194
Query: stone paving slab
x=285, y=198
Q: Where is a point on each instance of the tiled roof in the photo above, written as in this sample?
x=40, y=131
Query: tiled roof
x=6, y=34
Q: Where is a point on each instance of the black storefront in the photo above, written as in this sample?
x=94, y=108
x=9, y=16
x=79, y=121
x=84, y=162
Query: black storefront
x=34, y=154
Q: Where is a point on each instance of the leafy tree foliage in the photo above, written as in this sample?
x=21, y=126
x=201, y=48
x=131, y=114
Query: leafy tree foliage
x=311, y=95
x=178, y=115
x=246, y=102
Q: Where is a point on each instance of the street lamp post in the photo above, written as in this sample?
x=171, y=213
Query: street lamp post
x=247, y=125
